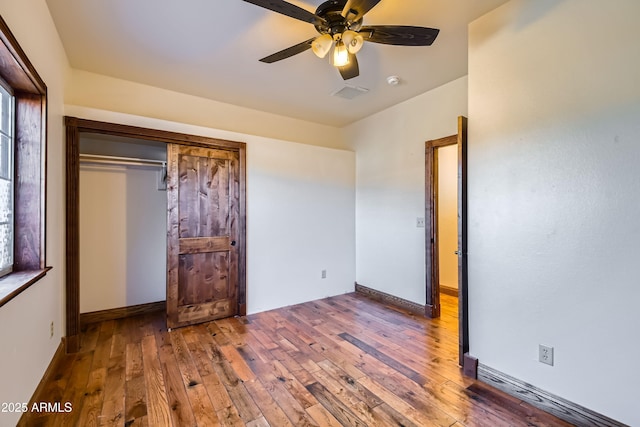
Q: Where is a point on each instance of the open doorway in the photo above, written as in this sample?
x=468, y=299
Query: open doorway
x=122, y=226
x=446, y=247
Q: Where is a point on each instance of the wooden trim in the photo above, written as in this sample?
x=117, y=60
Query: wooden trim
x=21, y=74
x=432, y=307
x=391, y=300
x=432, y=311
x=57, y=358
x=242, y=231
x=449, y=291
x=93, y=126
x=463, y=280
x=29, y=181
x=431, y=222
x=13, y=284
x=121, y=312
x=72, y=237
x=470, y=366
x=445, y=141
x=561, y=408
x=74, y=126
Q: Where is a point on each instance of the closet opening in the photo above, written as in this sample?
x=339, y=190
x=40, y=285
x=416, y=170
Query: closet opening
x=152, y=216
x=123, y=223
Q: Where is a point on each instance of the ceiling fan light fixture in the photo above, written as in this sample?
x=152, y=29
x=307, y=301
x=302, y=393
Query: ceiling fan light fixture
x=353, y=41
x=322, y=45
x=340, y=55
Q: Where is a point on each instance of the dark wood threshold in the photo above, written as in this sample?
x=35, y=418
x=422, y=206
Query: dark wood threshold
x=561, y=408
x=121, y=312
x=14, y=283
x=56, y=360
x=449, y=291
x=391, y=300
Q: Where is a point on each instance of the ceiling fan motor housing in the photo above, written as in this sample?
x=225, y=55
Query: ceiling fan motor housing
x=331, y=12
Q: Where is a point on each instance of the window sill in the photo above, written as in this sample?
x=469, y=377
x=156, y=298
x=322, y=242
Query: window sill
x=13, y=284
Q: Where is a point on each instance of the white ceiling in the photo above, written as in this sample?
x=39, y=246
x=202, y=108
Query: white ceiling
x=211, y=48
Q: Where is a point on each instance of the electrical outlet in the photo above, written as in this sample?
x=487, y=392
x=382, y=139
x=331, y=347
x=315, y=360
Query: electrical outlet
x=324, y=274
x=420, y=222
x=545, y=354
x=51, y=330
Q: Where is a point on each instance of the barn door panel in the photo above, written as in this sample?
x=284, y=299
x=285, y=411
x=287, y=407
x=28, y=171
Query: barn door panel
x=203, y=231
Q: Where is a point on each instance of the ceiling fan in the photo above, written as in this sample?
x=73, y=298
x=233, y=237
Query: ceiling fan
x=339, y=23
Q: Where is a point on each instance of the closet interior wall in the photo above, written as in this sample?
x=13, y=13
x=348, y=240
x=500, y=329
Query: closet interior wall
x=123, y=214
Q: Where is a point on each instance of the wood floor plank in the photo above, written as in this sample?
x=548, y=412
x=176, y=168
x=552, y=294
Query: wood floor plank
x=176, y=394
x=135, y=391
x=341, y=361
x=113, y=409
x=272, y=412
x=339, y=410
x=202, y=407
x=386, y=359
x=93, y=400
x=351, y=384
x=386, y=415
x=288, y=403
x=74, y=391
x=242, y=370
x=200, y=402
x=158, y=411
x=192, y=337
x=419, y=417
x=260, y=422
x=89, y=337
x=323, y=417
x=346, y=397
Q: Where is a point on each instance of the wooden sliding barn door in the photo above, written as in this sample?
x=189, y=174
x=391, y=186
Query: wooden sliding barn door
x=203, y=194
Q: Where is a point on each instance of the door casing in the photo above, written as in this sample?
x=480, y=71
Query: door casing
x=432, y=307
x=75, y=126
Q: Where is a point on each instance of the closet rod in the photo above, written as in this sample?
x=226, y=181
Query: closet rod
x=96, y=158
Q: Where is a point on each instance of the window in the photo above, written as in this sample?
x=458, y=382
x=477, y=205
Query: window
x=6, y=181
x=23, y=100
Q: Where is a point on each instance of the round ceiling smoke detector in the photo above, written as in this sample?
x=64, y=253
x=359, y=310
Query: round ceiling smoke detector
x=393, y=80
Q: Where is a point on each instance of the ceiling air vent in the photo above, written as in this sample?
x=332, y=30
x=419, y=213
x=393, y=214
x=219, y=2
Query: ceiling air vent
x=350, y=92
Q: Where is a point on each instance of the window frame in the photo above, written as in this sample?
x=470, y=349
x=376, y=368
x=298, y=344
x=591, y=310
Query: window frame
x=29, y=166
x=4, y=87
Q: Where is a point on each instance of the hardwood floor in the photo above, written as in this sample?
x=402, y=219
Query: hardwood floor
x=340, y=361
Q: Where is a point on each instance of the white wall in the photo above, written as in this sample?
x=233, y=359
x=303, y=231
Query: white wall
x=123, y=236
x=111, y=94
x=300, y=221
x=554, y=108
x=390, y=249
x=24, y=321
x=447, y=235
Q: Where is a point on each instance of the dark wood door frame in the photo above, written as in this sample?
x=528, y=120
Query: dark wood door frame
x=432, y=308
x=74, y=127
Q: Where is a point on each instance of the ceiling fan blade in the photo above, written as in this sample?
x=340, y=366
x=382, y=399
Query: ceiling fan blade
x=354, y=9
x=401, y=35
x=350, y=70
x=289, y=9
x=288, y=52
